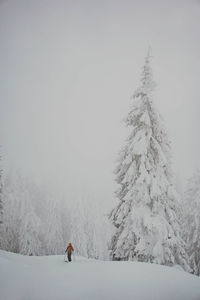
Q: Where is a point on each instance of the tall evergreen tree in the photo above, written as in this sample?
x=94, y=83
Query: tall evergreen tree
x=145, y=217
x=191, y=221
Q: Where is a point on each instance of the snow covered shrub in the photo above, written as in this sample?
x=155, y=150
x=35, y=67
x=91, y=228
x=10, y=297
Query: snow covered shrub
x=191, y=222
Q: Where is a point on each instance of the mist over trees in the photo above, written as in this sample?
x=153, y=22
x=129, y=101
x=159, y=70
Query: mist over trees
x=89, y=228
x=36, y=222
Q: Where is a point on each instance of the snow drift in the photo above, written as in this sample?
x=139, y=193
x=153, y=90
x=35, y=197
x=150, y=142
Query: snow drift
x=50, y=278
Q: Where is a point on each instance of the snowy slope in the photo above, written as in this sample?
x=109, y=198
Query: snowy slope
x=49, y=278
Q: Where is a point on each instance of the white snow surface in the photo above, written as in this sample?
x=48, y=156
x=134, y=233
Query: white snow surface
x=50, y=278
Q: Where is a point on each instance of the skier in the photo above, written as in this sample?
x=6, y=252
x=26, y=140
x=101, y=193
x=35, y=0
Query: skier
x=69, y=251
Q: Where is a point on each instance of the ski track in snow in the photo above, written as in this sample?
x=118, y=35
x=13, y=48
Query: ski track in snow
x=50, y=278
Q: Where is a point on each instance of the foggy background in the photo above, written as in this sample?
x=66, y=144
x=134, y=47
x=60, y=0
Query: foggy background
x=67, y=72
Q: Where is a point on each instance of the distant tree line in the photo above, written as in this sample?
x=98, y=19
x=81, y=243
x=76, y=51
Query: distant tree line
x=36, y=222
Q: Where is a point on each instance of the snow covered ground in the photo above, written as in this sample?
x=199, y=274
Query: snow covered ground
x=50, y=278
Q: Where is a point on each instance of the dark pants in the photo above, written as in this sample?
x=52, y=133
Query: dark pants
x=69, y=256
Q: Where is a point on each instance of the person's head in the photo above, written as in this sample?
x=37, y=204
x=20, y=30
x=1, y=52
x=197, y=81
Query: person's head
x=70, y=244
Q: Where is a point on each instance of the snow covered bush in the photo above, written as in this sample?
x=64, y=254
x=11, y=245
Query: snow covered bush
x=191, y=221
x=145, y=217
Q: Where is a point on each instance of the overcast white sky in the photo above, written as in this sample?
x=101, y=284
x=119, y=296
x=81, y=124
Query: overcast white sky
x=67, y=71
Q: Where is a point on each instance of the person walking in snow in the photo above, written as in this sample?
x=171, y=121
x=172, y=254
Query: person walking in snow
x=69, y=251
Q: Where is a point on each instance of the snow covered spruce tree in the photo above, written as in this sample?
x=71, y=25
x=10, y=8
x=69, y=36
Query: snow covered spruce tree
x=145, y=219
x=191, y=222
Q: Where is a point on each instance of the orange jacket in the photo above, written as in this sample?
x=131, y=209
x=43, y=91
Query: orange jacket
x=69, y=248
